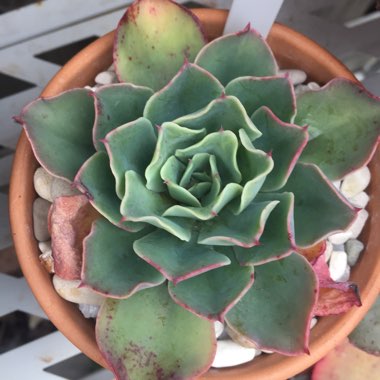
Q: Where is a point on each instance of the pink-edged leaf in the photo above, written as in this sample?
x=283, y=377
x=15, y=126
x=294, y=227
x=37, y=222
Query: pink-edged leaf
x=346, y=362
x=276, y=311
x=334, y=297
x=148, y=336
x=346, y=119
x=175, y=259
x=212, y=294
x=111, y=266
x=70, y=222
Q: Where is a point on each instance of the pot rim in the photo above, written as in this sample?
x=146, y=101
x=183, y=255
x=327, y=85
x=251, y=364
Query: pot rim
x=329, y=331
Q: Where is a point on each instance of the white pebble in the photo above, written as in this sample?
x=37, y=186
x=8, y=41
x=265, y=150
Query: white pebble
x=40, y=223
x=267, y=352
x=60, y=187
x=328, y=251
x=337, y=184
x=44, y=246
x=313, y=86
x=338, y=264
x=360, y=200
x=89, y=311
x=340, y=238
x=300, y=89
x=229, y=354
x=69, y=290
x=105, y=77
x=313, y=322
x=358, y=225
x=219, y=327
x=354, y=183
x=42, y=182
x=346, y=275
x=295, y=76
x=354, y=248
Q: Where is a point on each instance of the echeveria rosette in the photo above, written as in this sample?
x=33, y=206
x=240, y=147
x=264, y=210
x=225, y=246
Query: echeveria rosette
x=207, y=187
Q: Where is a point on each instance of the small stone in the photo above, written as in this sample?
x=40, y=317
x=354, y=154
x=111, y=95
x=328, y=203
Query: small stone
x=300, y=89
x=105, y=77
x=47, y=261
x=357, y=227
x=44, y=246
x=340, y=238
x=219, y=327
x=338, y=264
x=89, y=311
x=295, y=76
x=267, y=352
x=42, y=183
x=355, y=182
x=70, y=291
x=360, y=200
x=313, y=86
x=346, y=275
x=313, y=322
x=354, y=248
x=337, y=184
x=60, y=187
x=40, y=223
x=328, y=251
x=338, y=247
x=229, y=354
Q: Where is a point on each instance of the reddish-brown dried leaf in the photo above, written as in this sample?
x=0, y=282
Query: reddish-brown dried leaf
x=334, y=297
x=70, y=222
x=313, y=252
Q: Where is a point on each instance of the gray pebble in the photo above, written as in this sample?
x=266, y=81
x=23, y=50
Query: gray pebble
x=42, y=183
x=354, y=248
x=40, y=223
x=60, y=187
x=44, y=246
x=89, y=311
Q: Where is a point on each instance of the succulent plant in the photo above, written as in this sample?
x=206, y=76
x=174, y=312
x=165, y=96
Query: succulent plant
x=208, y=181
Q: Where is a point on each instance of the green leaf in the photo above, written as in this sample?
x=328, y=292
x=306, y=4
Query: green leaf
x=142, y=205
x=224, y=113
x=319, y=209
x=277, y=239
x=366, y=335
x=60, y=131
x=95, y=179
x=347, y=118
x=115, y=105
x=130, y=147
x=283, y=141
x=170, y=137
x=237, y=55
x=109, y=250
x=152, y=41
x=243, y=229
x=276, y=93
x=214, y=293
x=175, y=259
x=148, y=336
x=275, y=313
x=190, y=90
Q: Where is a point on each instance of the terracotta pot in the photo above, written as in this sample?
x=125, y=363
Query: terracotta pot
x=292, y=50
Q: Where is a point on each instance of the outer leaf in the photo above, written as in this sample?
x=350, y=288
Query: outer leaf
x=115, y=105
x=243, y=229
x=160, y=340
x=237, y=55
x=170, y=137
x=254, y=92
x=366, y=335
x=142, y=205
x=277, y=240
x=190, y=90
x=224, y=113
x=270, y=314
x=152, y=40
x=284, y=141
x=175, y=259
x=319, y=209
x=59, y=129
x=347, y=119
x=214, y=293
x=130, y=147
x=110, y=265
x=334, y=297
x=346, y=362
x=96, y=181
